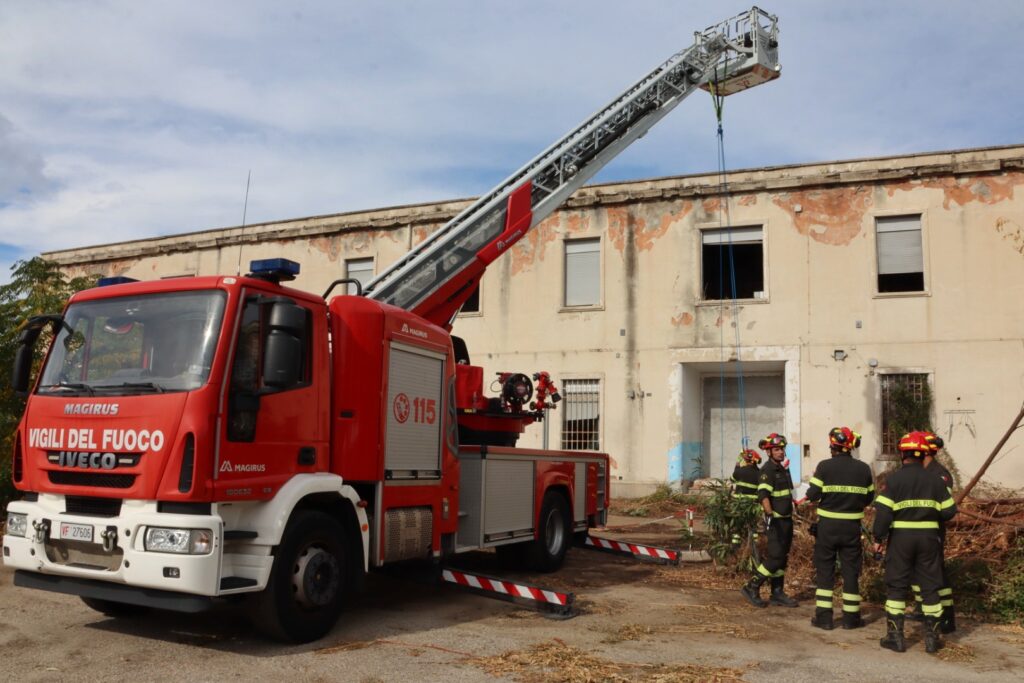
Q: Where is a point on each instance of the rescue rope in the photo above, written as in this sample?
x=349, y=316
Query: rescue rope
x=725, y=218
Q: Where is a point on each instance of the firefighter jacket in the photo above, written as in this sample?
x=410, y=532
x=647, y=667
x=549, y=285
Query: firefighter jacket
x=776, y=485
x=842, y=487
x=943, y=473
x=744, y=479
x=913, y=501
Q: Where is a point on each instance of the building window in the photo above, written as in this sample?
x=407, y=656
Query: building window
x=472, y=304
x=583, y=272
x=581, y=415
x=900, y=261
x=359, y=269
x=906, y=404
x=746, y=260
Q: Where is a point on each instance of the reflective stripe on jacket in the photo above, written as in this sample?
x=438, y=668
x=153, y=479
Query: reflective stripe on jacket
x=744, y=479
x=776, y=485
x=913, y=500
x=842, y=487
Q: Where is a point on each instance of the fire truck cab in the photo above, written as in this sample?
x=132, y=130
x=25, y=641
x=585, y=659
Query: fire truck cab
x=202, y=438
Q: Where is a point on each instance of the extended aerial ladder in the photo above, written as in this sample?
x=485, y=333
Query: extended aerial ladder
x=437, y=276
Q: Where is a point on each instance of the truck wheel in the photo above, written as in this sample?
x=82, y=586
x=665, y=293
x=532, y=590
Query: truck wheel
x=115, y=609
x=547, y=552
x=303, y=597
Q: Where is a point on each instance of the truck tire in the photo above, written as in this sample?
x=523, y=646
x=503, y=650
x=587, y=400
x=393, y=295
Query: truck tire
x=554, y=534
x=115, y=609
x=303, y=597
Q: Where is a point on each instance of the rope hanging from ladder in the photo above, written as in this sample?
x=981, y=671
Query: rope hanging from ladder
x=725, y=219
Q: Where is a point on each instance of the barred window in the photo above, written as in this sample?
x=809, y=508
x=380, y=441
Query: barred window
x=906, y=400
x=581, y=415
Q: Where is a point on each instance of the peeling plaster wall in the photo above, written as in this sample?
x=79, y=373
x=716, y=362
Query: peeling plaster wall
x=650, y=338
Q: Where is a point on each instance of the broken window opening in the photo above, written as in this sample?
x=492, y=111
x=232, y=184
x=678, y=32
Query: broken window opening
x=747, y=262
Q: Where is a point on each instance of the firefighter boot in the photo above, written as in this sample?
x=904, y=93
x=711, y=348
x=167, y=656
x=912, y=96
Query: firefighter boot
x=893, y=639
x=931, y=635
x=948, y=622
x=852, y=620
x=779, y=596
x=752, y=591
x=822, y=619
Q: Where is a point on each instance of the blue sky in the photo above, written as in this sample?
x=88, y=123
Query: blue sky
x=122, y=120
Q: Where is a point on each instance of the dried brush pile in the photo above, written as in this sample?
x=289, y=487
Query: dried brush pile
x=556, y=662
x=984, y=557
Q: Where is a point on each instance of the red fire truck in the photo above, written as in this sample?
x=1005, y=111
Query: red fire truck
x=209, y=439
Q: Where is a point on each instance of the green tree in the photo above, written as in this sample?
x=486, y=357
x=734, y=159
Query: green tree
x=37, y=287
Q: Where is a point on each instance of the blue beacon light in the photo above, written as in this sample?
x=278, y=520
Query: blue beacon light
x=275, y=270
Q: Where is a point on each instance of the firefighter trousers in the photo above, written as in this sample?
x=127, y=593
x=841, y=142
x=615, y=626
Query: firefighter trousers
x=913, y=554
x=838, y=538
x=946, y=591
x=780, y=538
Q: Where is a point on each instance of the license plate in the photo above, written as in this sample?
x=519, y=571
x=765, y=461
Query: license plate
x=75, y=532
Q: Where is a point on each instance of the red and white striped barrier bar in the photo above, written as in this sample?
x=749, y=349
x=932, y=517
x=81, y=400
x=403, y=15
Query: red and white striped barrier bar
x=512, y=591
x=647, y=553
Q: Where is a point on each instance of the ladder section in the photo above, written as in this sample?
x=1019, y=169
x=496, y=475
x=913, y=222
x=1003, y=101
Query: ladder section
x=436, y=277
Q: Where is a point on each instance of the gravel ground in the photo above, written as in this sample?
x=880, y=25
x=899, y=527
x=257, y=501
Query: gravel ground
x=637, y=622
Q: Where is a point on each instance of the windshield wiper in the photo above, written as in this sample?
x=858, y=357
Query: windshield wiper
x=72, y=386
x=140, y=385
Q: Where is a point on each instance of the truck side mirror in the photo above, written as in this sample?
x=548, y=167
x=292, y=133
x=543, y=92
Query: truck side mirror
x=24, y=356
x=23, y=363
x=284, y=354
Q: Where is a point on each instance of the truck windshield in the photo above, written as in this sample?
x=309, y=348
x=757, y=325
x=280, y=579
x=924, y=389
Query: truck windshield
x=135, y=344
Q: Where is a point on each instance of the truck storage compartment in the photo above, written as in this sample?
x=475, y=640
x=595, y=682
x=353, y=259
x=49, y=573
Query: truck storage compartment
x=497, y=499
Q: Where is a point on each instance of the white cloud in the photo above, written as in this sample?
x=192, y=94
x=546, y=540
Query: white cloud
x=128, y=120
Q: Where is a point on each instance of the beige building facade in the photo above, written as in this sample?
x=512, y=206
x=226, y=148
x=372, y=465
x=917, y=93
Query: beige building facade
x=857, y=283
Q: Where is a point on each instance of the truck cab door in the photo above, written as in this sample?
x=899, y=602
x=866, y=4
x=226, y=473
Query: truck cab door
x=273, y=419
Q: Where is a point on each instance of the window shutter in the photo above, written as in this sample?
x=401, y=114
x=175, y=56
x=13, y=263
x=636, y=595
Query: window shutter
x=899, y=245
x=359, y=269
x=753, y=235
x=582, y=272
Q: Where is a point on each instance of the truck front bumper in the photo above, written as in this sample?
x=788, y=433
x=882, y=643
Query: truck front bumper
x=47, y=561
x=115, y=592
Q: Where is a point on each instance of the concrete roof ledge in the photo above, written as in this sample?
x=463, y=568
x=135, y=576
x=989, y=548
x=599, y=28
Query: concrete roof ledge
x=813, y=175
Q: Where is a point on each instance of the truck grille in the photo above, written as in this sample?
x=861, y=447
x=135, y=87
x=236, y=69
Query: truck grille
x=110, y=481
x=92, y=507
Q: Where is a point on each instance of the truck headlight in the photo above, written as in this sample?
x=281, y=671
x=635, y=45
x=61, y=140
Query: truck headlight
x=17, y=524
x=182, y=541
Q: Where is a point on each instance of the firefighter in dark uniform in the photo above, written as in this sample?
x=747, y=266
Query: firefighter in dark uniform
x=744, y=482
x=842, y=487
x=931, y=464
x=775, y=493
x=909, y=512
